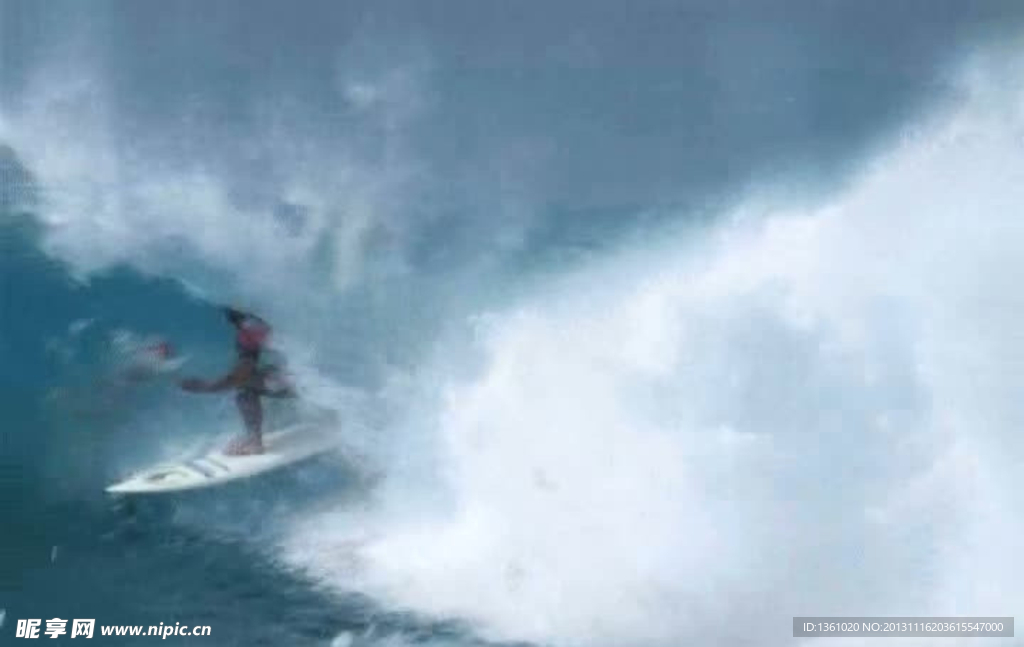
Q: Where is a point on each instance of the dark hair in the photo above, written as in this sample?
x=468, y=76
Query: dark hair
x=233, y=316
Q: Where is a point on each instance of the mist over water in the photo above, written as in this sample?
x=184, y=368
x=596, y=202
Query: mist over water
x=654, y=336
x=798, y=408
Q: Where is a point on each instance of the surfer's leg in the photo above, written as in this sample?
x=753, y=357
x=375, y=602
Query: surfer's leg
x=251, y=408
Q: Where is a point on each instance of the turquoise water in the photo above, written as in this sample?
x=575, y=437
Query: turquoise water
x=77, y=553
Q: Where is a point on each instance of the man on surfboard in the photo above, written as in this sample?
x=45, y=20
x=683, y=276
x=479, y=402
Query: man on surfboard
x=250, y=380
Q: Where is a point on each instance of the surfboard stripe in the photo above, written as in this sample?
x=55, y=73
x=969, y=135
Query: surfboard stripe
x=197, y=466
x=217, y=463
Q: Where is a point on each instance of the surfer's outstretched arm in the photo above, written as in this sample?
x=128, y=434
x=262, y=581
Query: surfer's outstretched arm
x=239, y=375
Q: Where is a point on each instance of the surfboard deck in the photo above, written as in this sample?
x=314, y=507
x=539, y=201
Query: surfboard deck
x=282, y=448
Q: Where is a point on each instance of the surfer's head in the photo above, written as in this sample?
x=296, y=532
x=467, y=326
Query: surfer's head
x=251, y=332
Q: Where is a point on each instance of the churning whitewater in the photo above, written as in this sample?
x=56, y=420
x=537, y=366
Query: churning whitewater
x=803, y=407
x=675, y=398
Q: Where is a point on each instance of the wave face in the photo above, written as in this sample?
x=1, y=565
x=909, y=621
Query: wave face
x=650, y=345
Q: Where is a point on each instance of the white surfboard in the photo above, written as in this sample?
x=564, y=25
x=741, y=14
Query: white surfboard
x=282, y=448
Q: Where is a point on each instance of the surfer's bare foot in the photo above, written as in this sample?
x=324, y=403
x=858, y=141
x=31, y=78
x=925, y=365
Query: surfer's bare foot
x=244, y=447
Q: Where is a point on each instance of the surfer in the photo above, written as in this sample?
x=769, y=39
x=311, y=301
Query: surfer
x=250, y=379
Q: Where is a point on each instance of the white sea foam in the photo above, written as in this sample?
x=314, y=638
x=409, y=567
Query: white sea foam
x=109, y=199
x=811, y=412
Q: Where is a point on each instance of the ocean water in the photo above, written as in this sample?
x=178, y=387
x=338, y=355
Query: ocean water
x=649, y=325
